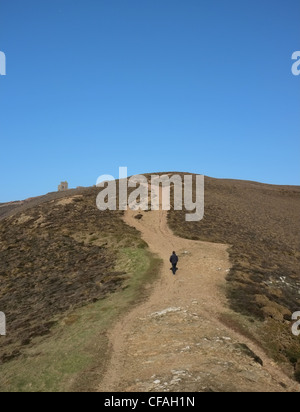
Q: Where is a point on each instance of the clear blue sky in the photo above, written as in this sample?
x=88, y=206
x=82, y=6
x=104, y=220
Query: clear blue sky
x=201, y=86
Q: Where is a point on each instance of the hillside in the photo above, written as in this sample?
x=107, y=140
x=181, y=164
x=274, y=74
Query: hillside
x=262, y=223
x=177, y=341
x=75, y=283
x=61, y=261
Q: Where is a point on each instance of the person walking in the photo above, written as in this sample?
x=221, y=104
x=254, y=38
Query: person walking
x=174, y=260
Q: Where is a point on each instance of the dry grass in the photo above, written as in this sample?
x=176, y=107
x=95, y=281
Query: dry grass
x=262, y=223
x=67, y=272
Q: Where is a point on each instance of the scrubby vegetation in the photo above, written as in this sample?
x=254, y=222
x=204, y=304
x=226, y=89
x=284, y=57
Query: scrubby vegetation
x=67, y=271
x=262, y=225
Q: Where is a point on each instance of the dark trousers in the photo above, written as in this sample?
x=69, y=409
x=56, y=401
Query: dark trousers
x=174, y=268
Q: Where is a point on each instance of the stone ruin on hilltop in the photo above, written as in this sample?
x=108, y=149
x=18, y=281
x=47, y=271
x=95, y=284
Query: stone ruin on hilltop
x=63, y=187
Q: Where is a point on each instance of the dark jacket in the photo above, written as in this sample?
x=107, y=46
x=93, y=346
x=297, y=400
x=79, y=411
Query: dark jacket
x=174, y=259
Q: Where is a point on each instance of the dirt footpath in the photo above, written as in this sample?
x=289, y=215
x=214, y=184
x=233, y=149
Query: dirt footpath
x=174, y=341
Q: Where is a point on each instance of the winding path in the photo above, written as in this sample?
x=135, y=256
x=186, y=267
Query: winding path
x=175, y=340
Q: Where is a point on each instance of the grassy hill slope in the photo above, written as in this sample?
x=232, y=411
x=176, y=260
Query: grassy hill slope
x=262, y=223
x=67, y=271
